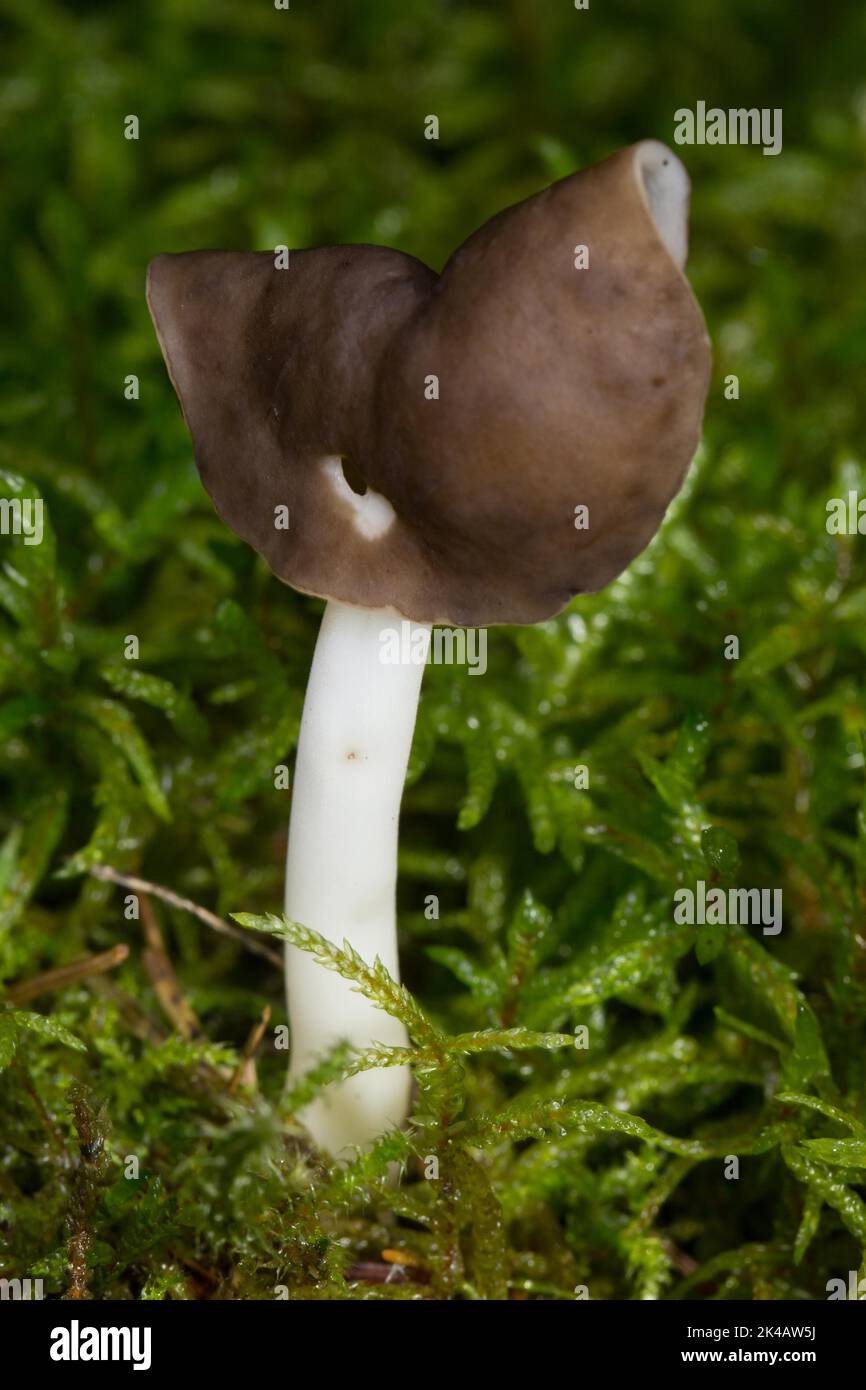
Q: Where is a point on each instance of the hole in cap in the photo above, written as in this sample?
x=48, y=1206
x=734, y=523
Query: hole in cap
x=371, y=514
x=355, y=479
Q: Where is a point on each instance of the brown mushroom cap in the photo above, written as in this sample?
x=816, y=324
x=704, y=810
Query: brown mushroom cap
x=557, y=387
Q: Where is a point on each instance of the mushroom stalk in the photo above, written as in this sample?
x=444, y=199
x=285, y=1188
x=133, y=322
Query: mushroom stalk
x=341, y=866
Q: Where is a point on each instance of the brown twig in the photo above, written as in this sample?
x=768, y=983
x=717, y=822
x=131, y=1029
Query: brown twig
x=245, y=1071
x=210, y=919
x=160, y=971
x=26, y=990
x=87, y=1182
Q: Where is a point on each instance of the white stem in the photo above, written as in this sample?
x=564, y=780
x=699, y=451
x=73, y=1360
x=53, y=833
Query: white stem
x=341, y=868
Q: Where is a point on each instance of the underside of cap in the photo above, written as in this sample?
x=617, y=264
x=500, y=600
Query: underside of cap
x=470, y=448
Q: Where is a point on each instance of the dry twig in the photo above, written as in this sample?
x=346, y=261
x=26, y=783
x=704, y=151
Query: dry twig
x=26, y=990
x=210, y=919
x=161, y=974
x=245, y=1071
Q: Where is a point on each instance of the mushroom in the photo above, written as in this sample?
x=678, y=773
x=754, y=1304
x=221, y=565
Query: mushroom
x=432, y=437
